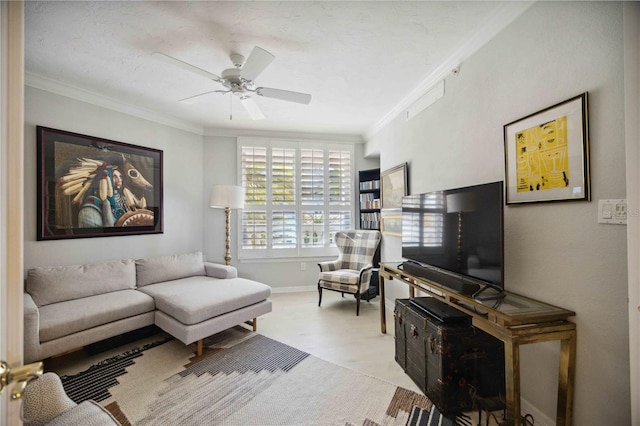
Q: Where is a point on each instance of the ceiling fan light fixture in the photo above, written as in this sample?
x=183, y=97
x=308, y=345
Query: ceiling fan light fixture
x=237, y=60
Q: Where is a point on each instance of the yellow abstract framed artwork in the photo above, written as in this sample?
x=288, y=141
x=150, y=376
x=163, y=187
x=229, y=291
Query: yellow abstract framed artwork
x=547, y=154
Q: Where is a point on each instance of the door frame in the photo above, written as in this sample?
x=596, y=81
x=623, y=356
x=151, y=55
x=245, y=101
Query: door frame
x=11, y=194
x=631, y=25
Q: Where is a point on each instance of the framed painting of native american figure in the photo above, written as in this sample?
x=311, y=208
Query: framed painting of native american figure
x=547, y=154
x=93, y=187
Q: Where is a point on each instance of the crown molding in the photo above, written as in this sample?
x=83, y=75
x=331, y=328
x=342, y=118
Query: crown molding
x=63, y=89
x=334, y=137
x=499, y=21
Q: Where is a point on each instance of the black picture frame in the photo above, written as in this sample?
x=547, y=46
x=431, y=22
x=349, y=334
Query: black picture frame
x=94, y=187
x=547, y=154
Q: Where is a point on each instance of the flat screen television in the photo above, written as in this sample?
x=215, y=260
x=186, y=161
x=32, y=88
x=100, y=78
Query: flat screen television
x=456, y=234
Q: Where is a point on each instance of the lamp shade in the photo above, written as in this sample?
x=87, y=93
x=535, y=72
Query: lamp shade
x=223, y=196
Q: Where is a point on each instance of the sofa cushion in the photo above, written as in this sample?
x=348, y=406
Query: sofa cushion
x=61, y=283
x=65, y=318
x=195, y=299
x=165, y=268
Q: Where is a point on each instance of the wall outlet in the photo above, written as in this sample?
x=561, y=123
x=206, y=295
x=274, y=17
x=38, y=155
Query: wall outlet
x=303, y=266
x=612, y=211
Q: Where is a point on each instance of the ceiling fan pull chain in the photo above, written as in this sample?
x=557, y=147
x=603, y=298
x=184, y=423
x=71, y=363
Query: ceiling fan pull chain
x=231, y=108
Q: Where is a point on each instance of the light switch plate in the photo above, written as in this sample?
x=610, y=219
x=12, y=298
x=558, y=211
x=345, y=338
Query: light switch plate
x=612, y=211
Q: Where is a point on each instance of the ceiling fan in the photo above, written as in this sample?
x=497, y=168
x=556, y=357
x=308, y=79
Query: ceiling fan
x=240, y=80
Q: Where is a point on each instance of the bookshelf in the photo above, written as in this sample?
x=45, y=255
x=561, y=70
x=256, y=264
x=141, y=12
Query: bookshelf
x=369, y=195
x=369, y=198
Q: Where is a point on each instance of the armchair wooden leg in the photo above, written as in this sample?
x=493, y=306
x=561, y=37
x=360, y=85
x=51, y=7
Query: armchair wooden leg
x=319, y=295
x=357, y=304
x=199, y=348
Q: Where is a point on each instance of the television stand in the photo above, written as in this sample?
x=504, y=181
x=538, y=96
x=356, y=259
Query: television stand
x=516, y=321
x=490, y=293
x=453, y=283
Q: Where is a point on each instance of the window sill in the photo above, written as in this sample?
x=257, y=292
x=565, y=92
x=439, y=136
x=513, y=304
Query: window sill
x=288, y=259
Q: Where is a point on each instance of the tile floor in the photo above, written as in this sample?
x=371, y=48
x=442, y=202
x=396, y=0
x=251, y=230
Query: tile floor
x=334, y=333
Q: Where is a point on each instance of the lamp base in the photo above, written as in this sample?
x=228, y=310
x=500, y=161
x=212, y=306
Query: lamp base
x=227, y=256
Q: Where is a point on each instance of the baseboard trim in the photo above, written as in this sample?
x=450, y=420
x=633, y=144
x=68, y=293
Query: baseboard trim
x=294, y=289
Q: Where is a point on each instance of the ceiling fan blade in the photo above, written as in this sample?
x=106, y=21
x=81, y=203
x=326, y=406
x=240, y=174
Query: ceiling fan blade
x=252, y=108
x=258, y=60
x=285, y=95
x=177, y=62
x=201, y=96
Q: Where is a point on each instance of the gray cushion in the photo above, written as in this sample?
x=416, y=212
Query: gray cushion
x=195, y=299
x=165, y=268
x=57, y=284
x=65, y=318
x=343, y=276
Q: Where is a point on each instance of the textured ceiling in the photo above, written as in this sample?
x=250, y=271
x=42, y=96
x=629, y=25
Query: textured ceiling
x=358, y=60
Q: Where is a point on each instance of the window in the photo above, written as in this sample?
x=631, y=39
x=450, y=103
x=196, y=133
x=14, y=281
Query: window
x=298, y=194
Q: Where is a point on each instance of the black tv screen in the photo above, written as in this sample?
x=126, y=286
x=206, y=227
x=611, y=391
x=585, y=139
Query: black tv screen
x=457, y=231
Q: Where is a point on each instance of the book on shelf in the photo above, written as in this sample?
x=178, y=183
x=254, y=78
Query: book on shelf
x=370, y=220
x=370, y=184
x=369, y=201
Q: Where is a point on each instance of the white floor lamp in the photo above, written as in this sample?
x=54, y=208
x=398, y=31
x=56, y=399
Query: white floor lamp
x=227, y=197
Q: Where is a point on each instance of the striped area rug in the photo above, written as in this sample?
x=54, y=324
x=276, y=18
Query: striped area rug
x=243, y=378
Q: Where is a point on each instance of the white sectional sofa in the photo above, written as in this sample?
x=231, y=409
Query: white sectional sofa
x=68, y=307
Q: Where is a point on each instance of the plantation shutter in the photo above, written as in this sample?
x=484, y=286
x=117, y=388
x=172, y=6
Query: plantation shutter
x=312, y=176
x=283, y=194
x=297, y=196
x=340, y=177
x=338, y=221
x=283, y=176
x=254, y=179
x=254, y=174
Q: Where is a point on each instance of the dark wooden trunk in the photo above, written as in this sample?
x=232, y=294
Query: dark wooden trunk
x=447, y=360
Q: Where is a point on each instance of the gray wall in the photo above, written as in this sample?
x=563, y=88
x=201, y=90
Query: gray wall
x=555, y=252
x=182, y=182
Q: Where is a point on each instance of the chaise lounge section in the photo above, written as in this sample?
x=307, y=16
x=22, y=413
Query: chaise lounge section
x=68, y=307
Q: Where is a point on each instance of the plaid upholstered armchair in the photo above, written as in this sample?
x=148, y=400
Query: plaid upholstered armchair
x=351, y=272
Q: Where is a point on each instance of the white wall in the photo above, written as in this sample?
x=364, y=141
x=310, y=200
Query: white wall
x=555, y=252
x=220, y=167
x=182, y=160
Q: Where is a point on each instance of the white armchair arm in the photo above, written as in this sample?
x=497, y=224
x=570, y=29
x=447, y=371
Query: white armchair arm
x=365, y=277
x=331, y=265
x=217, y=270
